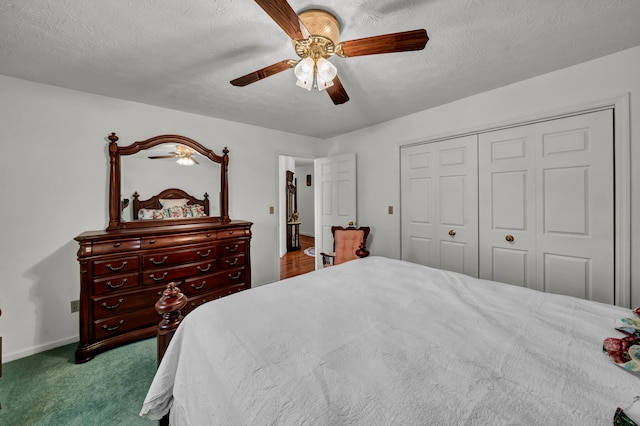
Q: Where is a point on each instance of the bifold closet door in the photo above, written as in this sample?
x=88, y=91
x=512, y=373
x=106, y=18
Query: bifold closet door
x=439, y=204
x=546, y=209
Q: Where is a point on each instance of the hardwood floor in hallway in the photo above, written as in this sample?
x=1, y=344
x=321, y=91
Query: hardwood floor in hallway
x=296, y=262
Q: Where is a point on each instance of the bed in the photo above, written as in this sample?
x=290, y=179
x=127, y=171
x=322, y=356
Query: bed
x=172, y=203
x=378, y=341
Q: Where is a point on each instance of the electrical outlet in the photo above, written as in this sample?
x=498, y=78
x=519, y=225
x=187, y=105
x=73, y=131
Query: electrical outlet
x=75, y=306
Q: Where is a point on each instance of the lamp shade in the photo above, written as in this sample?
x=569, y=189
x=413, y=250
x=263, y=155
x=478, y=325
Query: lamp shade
x=185, y=161
x=304, y=72
x=325, y=74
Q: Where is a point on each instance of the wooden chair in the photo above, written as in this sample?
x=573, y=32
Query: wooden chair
x=348, y=244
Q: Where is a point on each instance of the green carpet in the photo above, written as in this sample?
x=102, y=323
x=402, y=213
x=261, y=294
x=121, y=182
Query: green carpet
x=50, y=389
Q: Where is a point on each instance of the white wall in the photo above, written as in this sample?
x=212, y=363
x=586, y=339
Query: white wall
x=377, y=147
x=53, y=178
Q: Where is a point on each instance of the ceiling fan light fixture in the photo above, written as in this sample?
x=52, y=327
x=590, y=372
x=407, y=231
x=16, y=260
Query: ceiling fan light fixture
x=317, y=74
x=305, y=73
x=325, y=73
x=185, y=161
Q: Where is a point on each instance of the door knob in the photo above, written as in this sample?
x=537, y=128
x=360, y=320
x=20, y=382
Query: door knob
x=452, y=233
x=509, y=238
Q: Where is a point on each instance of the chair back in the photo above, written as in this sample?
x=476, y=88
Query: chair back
x=349, y=243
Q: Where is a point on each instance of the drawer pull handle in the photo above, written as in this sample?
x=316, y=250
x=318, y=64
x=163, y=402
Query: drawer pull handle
x=164, y=275
x=114, y=328
x=114, y=286
x=152, y=241
x=110, y=307
x=158, y=262
x=235, y=276
x=234, y=263
x=201, y=269
x=203, y=255
x=198, y=287
x=116, y=245
x=113, y=268
x=230, y=232
x=231, y=249
x=208, y=235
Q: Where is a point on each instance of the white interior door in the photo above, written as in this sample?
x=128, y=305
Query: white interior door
x=547, y=207
x=335, y=198
x=439, y=198
x=574, y=195
x=506, y=184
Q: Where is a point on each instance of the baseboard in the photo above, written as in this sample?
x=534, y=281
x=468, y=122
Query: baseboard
x=37, y=349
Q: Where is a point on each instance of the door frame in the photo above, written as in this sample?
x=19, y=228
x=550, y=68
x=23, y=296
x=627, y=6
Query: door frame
x=622, y=175
x=281, y=230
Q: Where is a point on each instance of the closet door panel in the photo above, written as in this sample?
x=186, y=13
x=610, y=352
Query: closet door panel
x=458, y=205
x=417, y=208
x=575, y=187
x=567, y=275
x=506, y=180
x=547, y=195
x=510, y=266
x=439, y=204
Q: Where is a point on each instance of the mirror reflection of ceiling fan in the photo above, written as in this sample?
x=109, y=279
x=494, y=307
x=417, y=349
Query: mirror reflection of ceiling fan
x=183, y=154
x=314, y=34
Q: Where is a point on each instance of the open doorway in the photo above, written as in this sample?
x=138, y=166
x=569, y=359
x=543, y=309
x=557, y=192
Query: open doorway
x=296, y=216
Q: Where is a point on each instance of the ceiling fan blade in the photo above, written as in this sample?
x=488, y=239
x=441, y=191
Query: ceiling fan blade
x=263, y=73
x=388, y=43
x=154, y=157
x=281, y=12
x=337, y=93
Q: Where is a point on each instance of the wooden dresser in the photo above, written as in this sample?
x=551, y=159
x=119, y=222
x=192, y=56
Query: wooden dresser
x=123, y=273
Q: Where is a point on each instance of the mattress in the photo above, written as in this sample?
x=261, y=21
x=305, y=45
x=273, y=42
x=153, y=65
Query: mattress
x=378, y=341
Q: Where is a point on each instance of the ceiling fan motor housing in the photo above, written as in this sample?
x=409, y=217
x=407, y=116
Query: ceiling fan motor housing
x=324, y=34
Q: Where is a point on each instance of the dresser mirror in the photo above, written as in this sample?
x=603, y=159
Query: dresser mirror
x=147, y=168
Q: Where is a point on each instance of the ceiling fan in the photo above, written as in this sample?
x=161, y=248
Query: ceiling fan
x=183, y=154
x=314, y=34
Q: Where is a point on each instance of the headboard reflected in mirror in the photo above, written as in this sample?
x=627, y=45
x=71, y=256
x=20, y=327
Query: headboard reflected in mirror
x=150, y=171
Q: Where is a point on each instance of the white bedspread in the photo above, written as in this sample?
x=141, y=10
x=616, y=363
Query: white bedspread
x=384, y=342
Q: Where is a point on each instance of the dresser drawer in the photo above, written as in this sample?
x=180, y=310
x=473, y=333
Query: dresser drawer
x=231, y=262
x=173, y=257
x=229, y=248
x=166, y=275
x=107, y=306
x=116, y=246
x=194, y=302
x=119, y=324
x=179, y=239
x=115, y=265
x=112, y=283
x=233, y=233
x=200, y=285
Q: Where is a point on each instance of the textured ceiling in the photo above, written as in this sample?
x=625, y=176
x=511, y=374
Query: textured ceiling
x=182, y=54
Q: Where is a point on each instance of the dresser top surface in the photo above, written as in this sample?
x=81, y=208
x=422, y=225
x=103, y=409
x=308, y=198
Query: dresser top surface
x=88, y=236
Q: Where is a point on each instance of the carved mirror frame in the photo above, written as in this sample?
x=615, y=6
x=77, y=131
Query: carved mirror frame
x=115, y=196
